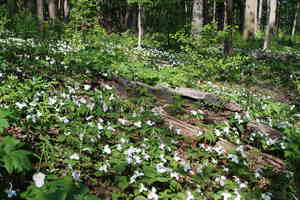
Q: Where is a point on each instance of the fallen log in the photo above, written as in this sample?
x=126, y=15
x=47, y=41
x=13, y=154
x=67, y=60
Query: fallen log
x=167, y=94
x=266, y=130
x=181, y=127
x=257, y=158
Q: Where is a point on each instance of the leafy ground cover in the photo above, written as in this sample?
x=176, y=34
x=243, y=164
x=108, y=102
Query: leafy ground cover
x=68, y=133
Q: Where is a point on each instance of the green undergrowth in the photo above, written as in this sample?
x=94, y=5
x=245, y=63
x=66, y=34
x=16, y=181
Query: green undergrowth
x=77, y=139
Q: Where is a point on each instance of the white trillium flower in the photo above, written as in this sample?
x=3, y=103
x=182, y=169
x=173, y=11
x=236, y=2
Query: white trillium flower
x=226, y=195
x=76, y=175
x=39, y=179
x=75, y=156
x=138, y=124
x=152, y=194
x=175, y=175
x=87, y=87
x=143, y=188
x=106, y=149
x=104, y=107
x=21, y=105
x=189, y=196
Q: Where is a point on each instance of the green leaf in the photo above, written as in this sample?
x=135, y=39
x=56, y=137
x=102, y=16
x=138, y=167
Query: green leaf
x=58, y=189
x=14, y=159
x=122, y=182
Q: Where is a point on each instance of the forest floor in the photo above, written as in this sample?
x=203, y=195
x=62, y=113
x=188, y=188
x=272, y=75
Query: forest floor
x=130, y=130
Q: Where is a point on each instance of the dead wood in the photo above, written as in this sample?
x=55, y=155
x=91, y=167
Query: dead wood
x=167, y=94
x=257, y=158
x=266, y=130
x=179, y=126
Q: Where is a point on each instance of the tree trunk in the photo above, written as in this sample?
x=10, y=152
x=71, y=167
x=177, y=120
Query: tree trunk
x=205, y=12
x=140, y=26
x=52, y=10
x=40, y=14
x=225, y=15
x=197, y=21
x=66, y=11
x=272, y=5
x=250, y=19
x=259, y=15
x=228, y=48
x=214, y=11
x=295, y=19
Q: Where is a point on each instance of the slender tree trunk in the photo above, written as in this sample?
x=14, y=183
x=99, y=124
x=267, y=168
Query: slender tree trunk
x=214, y=10
x=228, y=48
x=295, y=19
x=52, y=9
x=66, y=11
x=259, y=14
x=272, y=4
x=140, y=26
x=225, y=22
x=40, y=14
x=197, y=21
x=205, y=12
x=250, y=19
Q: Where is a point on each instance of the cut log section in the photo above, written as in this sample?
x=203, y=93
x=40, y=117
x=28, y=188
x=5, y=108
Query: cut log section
x=257, y=158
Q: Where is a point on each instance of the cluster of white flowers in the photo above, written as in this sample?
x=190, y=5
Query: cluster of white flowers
x=217, y=149
x=136, y=175
x=104, y=167
x=136, y=155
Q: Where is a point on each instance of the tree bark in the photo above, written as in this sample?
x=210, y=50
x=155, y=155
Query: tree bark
x=66, y=11
x=272, y=4
x=40, y=14
x=214, y=10
x=52, y=10
x=205, y=12
x=295, y=19
x=228, y=48
x=259, y=15
x=140, y=25
x=250, y=19
x=197, y=21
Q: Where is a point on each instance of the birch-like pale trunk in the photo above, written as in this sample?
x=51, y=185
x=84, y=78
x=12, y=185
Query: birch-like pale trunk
x=250, y=20
x=259, y=14
x=140, y=26
x=198, y=18
x=272, y=4
x=214, y=11
x=52, y=10
x=295, y=19
x=66, y=10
